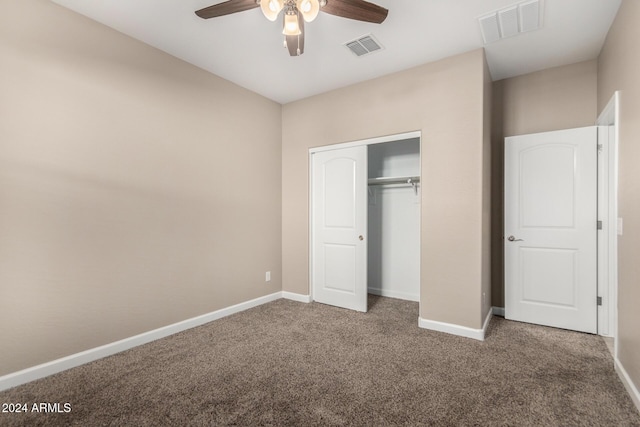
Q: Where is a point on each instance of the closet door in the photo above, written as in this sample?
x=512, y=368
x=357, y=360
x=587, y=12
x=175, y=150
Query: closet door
x=339, y=222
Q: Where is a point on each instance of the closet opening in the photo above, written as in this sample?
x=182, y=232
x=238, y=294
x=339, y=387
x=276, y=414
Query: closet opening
x=365, y=221
x=393, y=249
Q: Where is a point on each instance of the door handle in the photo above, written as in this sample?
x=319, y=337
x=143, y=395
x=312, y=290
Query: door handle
x=513, y=239
x=361, y=237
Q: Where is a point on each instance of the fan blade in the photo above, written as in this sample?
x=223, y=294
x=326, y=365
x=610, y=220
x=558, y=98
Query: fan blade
x=359, y=10
x=226, y=8
x=297, y=42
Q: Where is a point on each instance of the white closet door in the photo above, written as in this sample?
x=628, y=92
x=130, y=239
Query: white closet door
x=339, y=222
x=550, y=229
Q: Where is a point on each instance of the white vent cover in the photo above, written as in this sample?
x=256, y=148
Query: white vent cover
x=364, y=45
x=511, y=20
x=490, y=28
x=530, y=16
x=508, y=19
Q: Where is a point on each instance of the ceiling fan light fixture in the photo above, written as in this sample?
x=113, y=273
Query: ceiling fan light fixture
x=271, y=8
x=308, y=8
x=291, y=27
x=297, y=12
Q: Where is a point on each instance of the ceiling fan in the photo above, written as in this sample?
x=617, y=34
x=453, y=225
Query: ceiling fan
x=297, y=12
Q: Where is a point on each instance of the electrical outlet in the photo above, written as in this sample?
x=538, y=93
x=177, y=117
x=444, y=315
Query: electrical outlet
x=267, y=276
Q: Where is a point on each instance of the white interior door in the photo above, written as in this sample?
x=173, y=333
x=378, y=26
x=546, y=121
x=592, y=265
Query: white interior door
x=551, y=228
x=339, y=222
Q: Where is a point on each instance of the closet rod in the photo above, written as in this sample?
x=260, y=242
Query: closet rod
x=411, y=180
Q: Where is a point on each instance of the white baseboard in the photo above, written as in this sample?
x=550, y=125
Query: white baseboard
x=68, y=362
x=297, y=297
x=394, y=294
x=450, y=328
x=628, y=383
x=498, y=311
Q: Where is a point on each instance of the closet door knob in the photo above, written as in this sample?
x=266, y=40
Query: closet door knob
x=361, y=237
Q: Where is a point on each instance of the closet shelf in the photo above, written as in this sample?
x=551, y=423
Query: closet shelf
x=410, y=180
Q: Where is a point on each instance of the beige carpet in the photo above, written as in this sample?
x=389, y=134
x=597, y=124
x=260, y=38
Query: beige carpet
x=287, y=363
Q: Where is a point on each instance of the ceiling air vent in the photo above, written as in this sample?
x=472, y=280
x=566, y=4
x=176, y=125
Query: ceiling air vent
x=364, y=45
x=511, y=20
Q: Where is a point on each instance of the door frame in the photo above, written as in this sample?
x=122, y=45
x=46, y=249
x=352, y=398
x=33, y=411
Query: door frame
x=338, y=146
x=608, y=214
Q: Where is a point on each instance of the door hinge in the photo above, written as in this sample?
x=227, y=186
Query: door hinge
x=599, y=225
x=600, y=148
x=599, y=300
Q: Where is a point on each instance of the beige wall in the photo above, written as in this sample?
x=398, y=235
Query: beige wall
x=136, y=190
x=558, y=98
x=444, y=100
x=619, y=69
x=487, y=176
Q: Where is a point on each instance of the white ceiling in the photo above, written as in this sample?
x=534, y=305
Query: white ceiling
x=247, y=49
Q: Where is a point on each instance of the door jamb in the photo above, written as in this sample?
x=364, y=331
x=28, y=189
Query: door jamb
x=608, y=213
x=368, y=141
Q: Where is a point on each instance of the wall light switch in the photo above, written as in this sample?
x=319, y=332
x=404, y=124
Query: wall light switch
x=619, y=226
x=267, y=276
